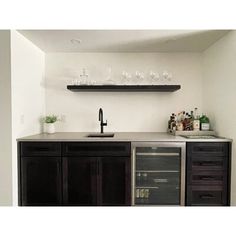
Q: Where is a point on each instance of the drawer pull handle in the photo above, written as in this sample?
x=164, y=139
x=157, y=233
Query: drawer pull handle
x=208, y=164
x=207, y=178
x=208, y=149
x=207, y=196
x=39, y=149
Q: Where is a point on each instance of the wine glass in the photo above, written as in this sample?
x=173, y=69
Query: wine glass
x=126, y=78
x=140, y=77
x=154, y=77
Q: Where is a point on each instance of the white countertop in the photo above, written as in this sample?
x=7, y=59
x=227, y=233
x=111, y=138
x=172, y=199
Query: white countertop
x=119, y=136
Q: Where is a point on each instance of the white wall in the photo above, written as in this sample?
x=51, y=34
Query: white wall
x=124, y=111
x=208, y=82
x=219, y=91
x=28, y=93
x=5, y=122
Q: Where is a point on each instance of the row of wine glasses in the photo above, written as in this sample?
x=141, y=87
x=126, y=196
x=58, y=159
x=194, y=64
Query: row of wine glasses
x=152, y=78
x=139, y=78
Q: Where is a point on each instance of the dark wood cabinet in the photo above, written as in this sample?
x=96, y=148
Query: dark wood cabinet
x=208, y=174
x=40, y=171
x=74, y=173
x=114, y=181
x=79, y=181
x=97, y=173
x=41, y=181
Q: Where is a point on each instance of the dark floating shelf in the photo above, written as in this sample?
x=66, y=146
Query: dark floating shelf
x=123, y=88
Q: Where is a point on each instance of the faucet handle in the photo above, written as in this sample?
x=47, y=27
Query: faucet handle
x=105, y=123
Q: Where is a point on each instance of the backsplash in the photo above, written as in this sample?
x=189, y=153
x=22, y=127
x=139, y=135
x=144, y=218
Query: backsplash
x=124, y=111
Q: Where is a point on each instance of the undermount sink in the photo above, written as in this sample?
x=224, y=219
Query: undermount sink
x=101, y=135
x=200, y=136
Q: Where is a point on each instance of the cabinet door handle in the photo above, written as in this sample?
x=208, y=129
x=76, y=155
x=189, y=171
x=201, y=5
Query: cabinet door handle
x=207, y=196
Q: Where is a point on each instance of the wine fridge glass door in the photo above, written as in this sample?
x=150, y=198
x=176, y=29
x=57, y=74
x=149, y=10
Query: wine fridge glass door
x=158, y=174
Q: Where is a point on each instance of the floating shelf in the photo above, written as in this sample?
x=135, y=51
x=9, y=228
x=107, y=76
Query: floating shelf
x=123, y=88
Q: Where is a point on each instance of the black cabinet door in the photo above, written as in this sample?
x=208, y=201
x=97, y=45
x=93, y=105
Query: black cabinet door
x=80, y=181
x=114, y=180
x=41, y=181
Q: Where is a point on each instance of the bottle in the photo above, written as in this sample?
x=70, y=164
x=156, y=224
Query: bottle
x=169, y=122
x=138, y=177
x=173, y=122
x=186, y=122
x=144, y=175
x=191, y=120
x=204, y=123
x=196, y=121
x=179, y=123
x=146, y=193
x=183, y=116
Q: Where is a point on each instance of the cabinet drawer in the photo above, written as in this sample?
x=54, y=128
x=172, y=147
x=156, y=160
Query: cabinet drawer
x=207, y=198
x=207, y=163
x=207, y=148
x=96, y=149
x=31, y=149
x=206, y=177
x=207, y=195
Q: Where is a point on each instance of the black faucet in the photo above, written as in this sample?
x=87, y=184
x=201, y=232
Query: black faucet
x=101, y=120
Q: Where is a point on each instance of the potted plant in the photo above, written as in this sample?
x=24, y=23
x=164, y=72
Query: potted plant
x=49, y=123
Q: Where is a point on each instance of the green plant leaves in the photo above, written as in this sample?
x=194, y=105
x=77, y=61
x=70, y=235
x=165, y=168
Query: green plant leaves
x=50, y=119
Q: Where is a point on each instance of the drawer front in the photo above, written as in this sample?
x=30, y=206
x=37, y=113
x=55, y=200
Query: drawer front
x=40, y=149
x=208, y=149
x=206, y=177
x=207, y=163
x=96, y=149
x=207, y=198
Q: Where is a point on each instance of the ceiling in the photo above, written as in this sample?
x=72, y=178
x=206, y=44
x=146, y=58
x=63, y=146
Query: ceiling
x=69, y=41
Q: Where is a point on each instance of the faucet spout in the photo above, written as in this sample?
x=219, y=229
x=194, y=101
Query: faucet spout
x=100, y=118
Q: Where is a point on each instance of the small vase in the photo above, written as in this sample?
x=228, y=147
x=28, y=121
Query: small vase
x=50, y=128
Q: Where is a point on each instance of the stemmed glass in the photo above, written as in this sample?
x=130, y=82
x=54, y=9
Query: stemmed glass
x=167, y=77
x=126, y=78
x=140, y=77
x=154, y=77
x=109, y=77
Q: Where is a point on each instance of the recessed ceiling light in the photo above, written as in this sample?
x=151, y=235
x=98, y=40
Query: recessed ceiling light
x=75, y=41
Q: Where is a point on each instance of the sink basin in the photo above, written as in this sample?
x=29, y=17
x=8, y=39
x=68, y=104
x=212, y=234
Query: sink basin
x=101, y=135
x=200, y=136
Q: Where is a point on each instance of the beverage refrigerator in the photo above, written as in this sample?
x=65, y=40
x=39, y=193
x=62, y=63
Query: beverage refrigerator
x=158, y=173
